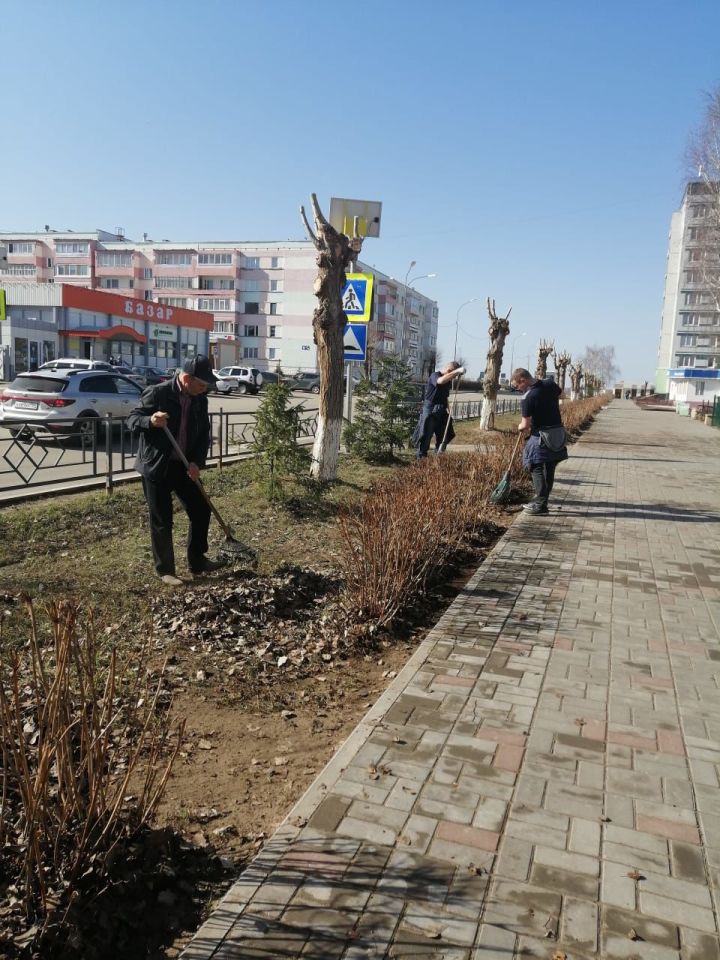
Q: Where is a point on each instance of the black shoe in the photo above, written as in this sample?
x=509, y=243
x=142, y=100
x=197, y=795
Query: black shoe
x=536, y=508
x=207, y=565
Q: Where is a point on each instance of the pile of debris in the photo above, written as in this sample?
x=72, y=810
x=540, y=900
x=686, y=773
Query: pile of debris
x=261, y=629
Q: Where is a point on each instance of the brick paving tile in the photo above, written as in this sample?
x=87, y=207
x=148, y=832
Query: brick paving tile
x=549, y=760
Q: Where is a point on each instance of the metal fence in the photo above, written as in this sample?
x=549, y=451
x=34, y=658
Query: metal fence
x=36, y=460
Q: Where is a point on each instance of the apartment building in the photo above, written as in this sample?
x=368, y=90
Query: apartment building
x=260, y=294
x=688, y=367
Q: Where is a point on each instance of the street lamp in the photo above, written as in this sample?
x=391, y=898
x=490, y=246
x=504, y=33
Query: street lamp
x=512, y=350
x=457, y=322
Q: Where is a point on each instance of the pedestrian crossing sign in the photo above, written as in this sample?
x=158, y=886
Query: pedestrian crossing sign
x=357, y=297
x=355, y=341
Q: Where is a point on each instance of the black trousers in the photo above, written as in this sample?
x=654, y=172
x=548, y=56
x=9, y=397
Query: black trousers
x=434, y=426
x=158, y=494
x=543, y=477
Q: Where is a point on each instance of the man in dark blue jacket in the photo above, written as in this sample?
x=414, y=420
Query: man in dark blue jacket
x=433, y=419
x=181, y=405
x=546, y=445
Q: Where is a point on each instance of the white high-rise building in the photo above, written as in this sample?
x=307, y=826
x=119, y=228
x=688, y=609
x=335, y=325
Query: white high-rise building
x=688, y=367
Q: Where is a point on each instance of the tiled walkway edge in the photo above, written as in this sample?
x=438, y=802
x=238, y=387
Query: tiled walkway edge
x=542, y=777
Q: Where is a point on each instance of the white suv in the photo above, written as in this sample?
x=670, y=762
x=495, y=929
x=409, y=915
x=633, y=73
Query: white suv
x=242, y=379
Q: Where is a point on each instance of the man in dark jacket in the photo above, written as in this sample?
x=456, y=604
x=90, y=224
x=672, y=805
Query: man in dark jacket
x=433, y=419
x=546, y=445
x=181, y=405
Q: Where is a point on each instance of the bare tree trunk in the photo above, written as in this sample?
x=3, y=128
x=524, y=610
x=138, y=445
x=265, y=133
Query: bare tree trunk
x=335, y=253
x=562, y=362
x=498, y=331
x=576, y=375
x=545, y=348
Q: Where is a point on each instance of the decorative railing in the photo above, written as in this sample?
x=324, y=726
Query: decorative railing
x=98, y=451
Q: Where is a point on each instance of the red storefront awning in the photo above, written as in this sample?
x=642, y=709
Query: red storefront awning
x=120, y=332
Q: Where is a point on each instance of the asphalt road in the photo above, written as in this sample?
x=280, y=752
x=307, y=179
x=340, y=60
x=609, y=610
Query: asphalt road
x=49, y=465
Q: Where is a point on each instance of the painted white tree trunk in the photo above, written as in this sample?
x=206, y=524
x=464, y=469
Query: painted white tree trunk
x=487, y=414
x=326, y=449
x=573, y=394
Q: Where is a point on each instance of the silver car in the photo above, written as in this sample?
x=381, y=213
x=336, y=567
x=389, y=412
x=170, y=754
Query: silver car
x=65, y=402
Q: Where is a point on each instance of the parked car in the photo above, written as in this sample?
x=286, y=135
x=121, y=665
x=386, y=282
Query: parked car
x=305, y=381
x=149, y=376
x=240, y=379
x=65, y=403
x=76, y=363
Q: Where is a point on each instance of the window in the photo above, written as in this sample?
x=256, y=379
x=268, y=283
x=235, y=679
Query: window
x=110, y=283
x=272, y=353
x=19, y=270
x=250, y=353
x=273, y=309
x=685, y=360
x=693, y=276
x=125, y=388
x=72, y=270
x=250, y=286
x=65, y=249
x=147, y=294
x=21, y=354
x=698, y=210
x=687, y=340
x=215, y=259
x=213, y=303
x=98, y=385
x=275, y=286
x=251, y=308
x=22, y=247
x=272, y=331
x=173, y=301
x=252, y=263
x=700, y=388
x=276, y=263
x=251, y=330
x=114, y=259
x=181, y=283
x=216, y=283
x=174, y=259
x=225, y=327
x=147, y=273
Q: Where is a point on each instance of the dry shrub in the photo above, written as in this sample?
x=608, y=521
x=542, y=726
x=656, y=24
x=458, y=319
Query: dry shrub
x=578, y=414
x=74, y=735
x=408, y=525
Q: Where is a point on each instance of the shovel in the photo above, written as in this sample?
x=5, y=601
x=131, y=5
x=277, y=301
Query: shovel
x=232, y=548
x=502, y=490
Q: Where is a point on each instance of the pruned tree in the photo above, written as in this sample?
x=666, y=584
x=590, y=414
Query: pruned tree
x=545, y=348
x=576, y=376
x=562, y=362
x=601, y=362
x=498, y=331
x=336, y=253
x=704, y=156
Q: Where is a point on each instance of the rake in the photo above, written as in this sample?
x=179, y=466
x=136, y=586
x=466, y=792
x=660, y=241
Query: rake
x=232, y=547
x=502, y=491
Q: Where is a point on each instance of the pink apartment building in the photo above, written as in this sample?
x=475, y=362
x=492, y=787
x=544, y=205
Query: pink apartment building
x=259, y=293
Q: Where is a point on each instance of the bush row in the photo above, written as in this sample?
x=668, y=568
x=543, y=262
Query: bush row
x=409, y=524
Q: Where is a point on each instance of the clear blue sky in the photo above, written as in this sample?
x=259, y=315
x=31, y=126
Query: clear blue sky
x=524, y=150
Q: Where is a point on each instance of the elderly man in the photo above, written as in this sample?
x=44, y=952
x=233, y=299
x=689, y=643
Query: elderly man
x=181, y=405
x=546, y=445
x=434, y=414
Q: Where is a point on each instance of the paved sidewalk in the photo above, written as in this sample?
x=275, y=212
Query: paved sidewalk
x=541, y=780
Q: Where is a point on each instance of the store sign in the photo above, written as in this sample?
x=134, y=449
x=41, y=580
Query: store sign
x=146, y=310
x=164, y=332
x=3, y=307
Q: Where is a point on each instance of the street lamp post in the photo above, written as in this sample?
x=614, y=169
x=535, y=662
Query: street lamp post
x=457, y=323
x=512, y=350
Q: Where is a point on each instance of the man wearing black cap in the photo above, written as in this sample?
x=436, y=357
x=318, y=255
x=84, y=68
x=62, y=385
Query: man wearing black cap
x=181, y=404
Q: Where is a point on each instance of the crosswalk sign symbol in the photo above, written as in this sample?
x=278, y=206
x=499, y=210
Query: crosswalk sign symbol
x=357, y=297
x=355, y=341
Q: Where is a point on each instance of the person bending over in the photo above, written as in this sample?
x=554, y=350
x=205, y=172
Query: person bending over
x=180, y=404
x=546, y=445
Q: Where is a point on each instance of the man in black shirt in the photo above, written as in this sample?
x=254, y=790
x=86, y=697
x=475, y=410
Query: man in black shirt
x=546, y=445
x=434, y=414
